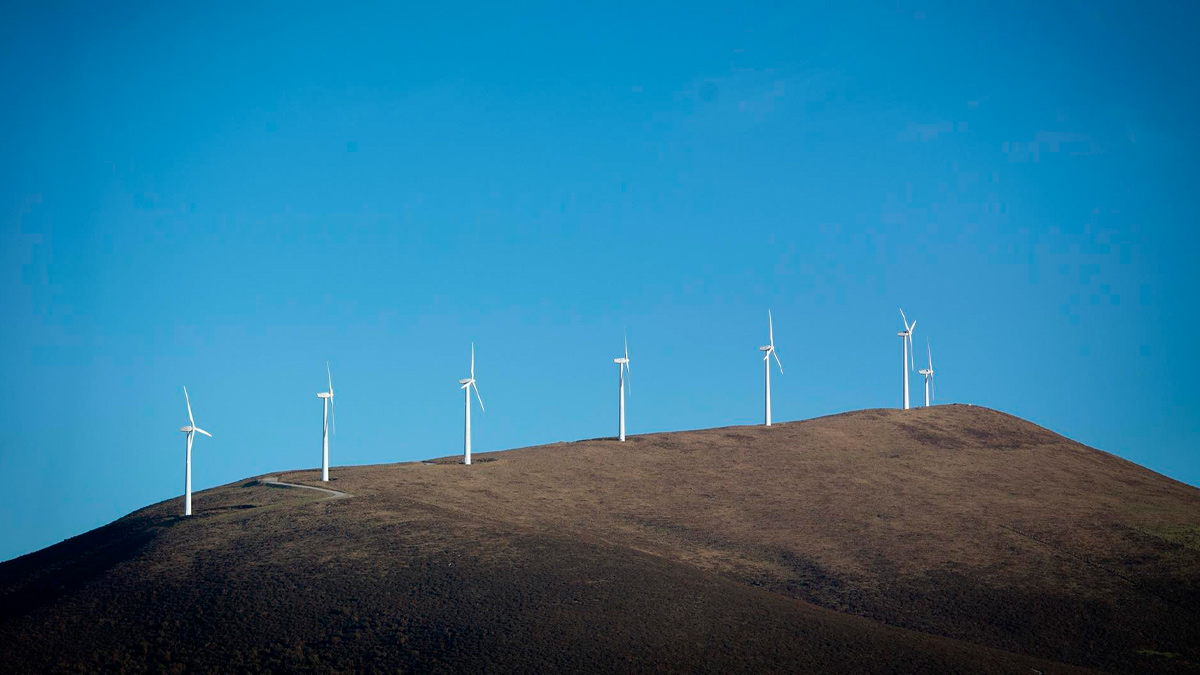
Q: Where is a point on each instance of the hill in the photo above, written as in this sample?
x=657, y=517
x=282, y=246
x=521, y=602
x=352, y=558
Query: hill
x=947, y=539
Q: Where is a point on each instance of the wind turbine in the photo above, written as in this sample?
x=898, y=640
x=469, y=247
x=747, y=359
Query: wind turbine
x=769, y=351
x=190, y=430
x=466, y=386
x=906, y=363
x=622, y=370
x=928, y=373
x=327, y=403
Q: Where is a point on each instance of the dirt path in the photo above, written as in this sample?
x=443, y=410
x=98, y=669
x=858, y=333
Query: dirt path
x=333, y=494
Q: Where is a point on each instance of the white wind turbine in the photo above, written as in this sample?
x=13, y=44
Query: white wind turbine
x=327, y=403
x=466, y=386
x=906, y=363
x=191, y=429
x=928, y=373
x=622, y=371
x=769, y=351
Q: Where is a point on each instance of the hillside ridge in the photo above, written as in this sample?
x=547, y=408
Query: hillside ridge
x=947, y=539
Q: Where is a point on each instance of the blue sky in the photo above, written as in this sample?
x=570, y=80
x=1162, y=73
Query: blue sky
x=226, y=197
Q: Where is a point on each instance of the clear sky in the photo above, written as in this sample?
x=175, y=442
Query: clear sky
x=225, y=197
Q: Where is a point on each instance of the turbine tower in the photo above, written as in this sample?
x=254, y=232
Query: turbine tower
x=327, y=403
x=191, y=429
x=928, y=373
x=769, y=351
x=622, y=370
x=907, y=358
x=466, y=386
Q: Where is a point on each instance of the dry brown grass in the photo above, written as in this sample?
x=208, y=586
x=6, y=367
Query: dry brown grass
x=950, y=539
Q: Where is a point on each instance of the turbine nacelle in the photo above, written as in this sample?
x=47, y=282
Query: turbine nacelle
x=623, y=369
x=469, y=382
x=328, y=397
x=928, y=372
x=907, y=335
x=191, y=427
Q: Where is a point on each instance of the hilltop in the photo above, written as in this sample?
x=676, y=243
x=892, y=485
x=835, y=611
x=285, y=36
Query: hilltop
x=944, y=539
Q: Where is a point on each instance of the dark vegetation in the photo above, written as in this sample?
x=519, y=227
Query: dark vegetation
x=953, y=539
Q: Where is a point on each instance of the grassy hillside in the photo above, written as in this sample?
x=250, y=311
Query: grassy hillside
x=950, y=539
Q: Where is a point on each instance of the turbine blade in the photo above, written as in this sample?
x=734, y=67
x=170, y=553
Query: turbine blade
x=929, y=351
x=770, y=329
x=477, y=396
x=201, y=431
x=628, y=379
x=333, y=415
x=904, y=319
x=776, y=355
x=912, y=359
x=330, y=375
x=189, y=405
x=472, y=360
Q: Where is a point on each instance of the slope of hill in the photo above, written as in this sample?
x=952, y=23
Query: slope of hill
x=949, y=539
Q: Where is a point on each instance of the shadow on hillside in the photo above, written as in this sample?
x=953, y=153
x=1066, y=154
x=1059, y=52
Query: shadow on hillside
x=39, y=578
